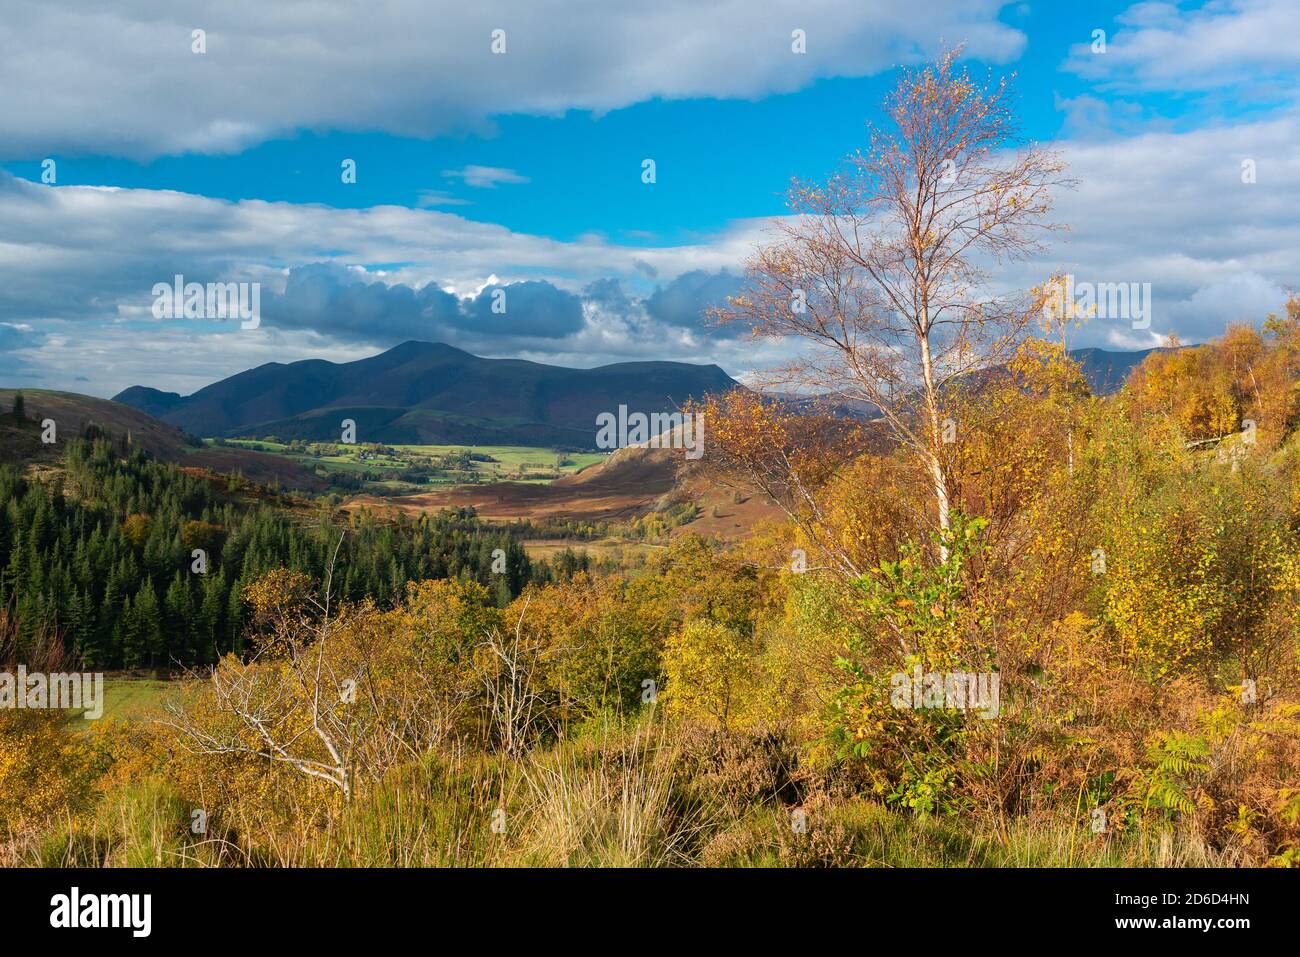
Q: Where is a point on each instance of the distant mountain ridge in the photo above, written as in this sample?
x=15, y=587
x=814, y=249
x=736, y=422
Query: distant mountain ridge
x=429, y=393
x=1104, y=370
x=1107, y=371
x=432, y=393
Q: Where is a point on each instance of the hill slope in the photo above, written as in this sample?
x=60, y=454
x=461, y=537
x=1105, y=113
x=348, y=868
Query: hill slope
x=429, y=393
x=71, y=412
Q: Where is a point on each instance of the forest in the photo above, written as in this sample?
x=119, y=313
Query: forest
x=105, y=559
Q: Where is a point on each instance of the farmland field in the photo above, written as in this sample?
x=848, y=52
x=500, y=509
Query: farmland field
x=395, y=469
x=517, y=462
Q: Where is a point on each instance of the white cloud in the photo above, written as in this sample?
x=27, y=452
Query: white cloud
x=1241, y=297
x=430, y=198
x=485, y=177
x=1161, y=46
x=77, y=263
x=75, y=251
x=1171, y=209
x=121, y=79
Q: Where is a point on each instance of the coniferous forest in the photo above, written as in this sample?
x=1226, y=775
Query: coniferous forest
x=103, y=559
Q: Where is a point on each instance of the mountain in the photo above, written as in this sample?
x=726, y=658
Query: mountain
x=1107, y=371
x=147, y=400
x=429, y=393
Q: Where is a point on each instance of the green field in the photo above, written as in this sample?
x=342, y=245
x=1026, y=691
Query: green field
x=396, y=469
x=512, y=461
x=134, y=698
x=129, y=699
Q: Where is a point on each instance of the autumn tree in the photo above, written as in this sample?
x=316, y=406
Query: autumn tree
x=881, y=270
x=296, y=703
x=791, y=457
x=1279, y=406
x=709, y=668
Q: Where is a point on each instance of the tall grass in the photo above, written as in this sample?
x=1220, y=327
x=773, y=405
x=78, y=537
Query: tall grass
x=616, y=794
x=605, y=802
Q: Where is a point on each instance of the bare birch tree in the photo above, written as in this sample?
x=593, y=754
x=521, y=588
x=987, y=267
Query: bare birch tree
x=882, y=269
x=297, y=709
x=507, y=670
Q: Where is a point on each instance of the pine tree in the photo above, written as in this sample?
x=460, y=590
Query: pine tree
x=235, y=617
x=130, y=636
x=210, y=617
x=180, y=621
x=149, y=623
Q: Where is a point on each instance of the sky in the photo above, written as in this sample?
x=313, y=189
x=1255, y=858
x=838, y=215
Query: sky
x=503, y=147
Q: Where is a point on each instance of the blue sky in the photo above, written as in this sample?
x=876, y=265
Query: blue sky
x=718, y=159
x=477, y=171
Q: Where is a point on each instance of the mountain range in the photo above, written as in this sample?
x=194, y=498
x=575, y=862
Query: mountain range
x=424, y=393
x=429, y=393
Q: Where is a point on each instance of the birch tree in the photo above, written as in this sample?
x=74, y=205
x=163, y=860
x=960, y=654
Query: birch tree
x=883, y=270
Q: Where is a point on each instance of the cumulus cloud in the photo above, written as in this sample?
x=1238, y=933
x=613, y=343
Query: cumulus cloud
x=1244, y=297
x=1172, y=209
x=685, y=300
x=349, y=305
x=418, y=69
x=608, y=294
x=532, y=309
x=335, y=301
x=88, y=253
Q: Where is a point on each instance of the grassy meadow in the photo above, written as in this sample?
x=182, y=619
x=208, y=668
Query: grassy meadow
x=397, y=469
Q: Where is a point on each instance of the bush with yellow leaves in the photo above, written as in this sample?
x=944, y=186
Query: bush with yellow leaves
x=710, y=671
x=45, y=769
